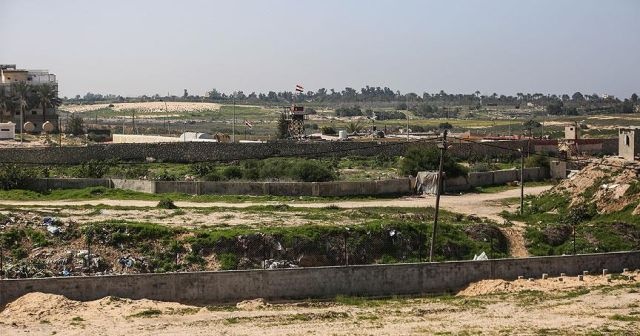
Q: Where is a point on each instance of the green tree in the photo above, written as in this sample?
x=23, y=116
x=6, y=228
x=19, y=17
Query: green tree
x=21, y=94
x=6, y=103
x=634, y=98
x=530, y=124
x=47, y=96
x=445, y=126
x=420, y=159
x=75, y=125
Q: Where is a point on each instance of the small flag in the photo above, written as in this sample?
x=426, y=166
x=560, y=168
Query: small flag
x=299, y=88
x=249, y=124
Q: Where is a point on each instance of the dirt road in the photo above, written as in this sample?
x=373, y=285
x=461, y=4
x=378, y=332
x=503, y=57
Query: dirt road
x=482, y=205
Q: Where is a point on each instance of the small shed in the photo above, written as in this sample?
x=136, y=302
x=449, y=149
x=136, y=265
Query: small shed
x=7, y=131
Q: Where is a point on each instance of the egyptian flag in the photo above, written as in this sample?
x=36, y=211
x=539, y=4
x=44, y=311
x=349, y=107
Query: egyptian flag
x=299, y=88
x=248, y=123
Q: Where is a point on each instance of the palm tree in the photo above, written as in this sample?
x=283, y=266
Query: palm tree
x=21, y=96
x=47, y=96
x=5, y=102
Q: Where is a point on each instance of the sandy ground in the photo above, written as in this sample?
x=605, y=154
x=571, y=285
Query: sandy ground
x=490, y=307
x=171, y=107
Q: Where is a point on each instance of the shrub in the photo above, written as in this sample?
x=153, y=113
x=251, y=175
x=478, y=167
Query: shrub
x=228, y=261
x=13, y=176
x=232, y=172
x=328, y=130
x=312, y=171
x=166, y=203
x=92, y=169
x=202, y=169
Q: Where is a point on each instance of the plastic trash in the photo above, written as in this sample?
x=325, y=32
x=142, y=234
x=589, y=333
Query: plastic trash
x=481, y=256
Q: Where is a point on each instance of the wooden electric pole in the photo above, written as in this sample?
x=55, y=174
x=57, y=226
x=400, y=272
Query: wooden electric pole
x=521, y=181
x=443, y=148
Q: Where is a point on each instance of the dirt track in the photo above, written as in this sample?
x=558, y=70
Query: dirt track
x=482, y=205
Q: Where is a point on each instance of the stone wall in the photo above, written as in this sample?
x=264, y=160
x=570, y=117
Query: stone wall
x=320, y=282
x=200, y=152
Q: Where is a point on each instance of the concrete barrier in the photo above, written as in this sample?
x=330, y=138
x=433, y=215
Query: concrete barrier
x=320, y=282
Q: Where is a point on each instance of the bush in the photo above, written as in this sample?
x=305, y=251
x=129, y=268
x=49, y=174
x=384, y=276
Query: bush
x=537, y=161
x=13, y=176
x=202, y=169
x=328, y=130
x=228, y=261
x=421, y=159
x=92, y=169
x=75, y=125
x=312, y=171
x=232, y=173
x=166, y=203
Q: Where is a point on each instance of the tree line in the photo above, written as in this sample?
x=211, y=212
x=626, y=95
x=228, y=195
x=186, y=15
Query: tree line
x=19, y=97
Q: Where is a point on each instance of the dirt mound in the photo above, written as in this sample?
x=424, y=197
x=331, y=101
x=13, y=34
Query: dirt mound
x=486, y=287
x=38, y=305
x=494, y=286
x=609, y=183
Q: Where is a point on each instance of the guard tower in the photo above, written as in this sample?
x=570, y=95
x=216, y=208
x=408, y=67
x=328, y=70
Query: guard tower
x=295, y=116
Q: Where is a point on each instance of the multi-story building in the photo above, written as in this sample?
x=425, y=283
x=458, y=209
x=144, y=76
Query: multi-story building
x=10, y=74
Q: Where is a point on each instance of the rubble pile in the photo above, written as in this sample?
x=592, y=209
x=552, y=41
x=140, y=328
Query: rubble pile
x=611, y=184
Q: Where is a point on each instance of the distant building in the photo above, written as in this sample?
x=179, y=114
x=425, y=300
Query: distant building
x=10, y=74
x=7, y=131
x=629, y=143
x=572, y=132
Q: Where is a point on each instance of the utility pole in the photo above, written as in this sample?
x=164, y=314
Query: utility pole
x=233, y=138
x=443, y=148
x=407, y=124
x=521, y=181
x=133, y=122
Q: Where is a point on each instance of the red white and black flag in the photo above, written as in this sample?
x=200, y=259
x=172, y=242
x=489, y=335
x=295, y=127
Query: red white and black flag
x=248, y=123
x=299, y=88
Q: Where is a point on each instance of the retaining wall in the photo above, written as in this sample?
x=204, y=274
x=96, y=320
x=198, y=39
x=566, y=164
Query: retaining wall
x=199, y=151
x=400, y=186
x=321, y=282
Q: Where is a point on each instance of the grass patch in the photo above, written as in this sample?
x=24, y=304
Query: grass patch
x=147, y=313
x=625, y=318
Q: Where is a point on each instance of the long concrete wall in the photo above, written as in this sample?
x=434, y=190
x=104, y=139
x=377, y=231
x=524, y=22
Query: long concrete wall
x=401, y=186
x=321, y=282
x=199, y=152
x=496, y=177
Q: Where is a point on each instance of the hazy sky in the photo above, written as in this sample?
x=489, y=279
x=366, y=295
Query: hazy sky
x=147, y=47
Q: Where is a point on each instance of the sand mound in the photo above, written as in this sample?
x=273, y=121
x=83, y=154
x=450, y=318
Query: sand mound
x=486, y=287
x=252, y=304
x=494, y=286
x=38, y=305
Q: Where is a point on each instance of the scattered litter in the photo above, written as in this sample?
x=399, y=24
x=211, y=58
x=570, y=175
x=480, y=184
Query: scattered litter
x=481, y=256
